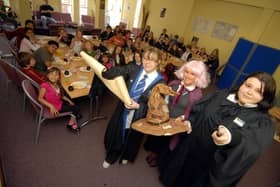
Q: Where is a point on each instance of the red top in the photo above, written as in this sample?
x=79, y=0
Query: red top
x=19, y=33
x=117, y=41
x=35, y=75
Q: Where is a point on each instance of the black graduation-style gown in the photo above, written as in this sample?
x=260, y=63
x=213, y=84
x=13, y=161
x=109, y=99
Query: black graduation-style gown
x=115, y=147
x=198, y=162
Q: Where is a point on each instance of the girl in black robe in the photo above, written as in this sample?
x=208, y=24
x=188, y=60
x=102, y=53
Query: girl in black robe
x=193, y=76
x=228, y=135
x=120, y=141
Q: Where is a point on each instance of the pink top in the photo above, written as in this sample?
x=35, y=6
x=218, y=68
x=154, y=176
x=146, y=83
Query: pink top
x=52, y=96
x=109, y=65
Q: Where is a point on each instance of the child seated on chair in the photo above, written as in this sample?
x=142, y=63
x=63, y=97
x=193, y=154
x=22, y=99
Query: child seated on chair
x=27, y=62
x=106, y=60
x=97, y=87
x=64, y=37
x=88, y=48
x=51, y=95
x=77, y=42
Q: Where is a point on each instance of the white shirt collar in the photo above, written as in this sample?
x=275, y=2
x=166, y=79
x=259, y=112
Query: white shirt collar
x=151, y=75
x=189, y=88
x=231, y=97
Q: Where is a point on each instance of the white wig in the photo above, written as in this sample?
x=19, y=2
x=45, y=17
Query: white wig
x=199, y=69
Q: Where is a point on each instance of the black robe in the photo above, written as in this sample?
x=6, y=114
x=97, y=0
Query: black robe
x=115, y=147
x=198, y=162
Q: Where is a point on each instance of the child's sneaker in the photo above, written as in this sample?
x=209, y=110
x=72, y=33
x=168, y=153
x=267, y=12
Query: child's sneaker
x=106, y=164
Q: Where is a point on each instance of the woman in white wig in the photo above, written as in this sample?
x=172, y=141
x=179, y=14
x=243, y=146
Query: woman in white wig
x=193, y=76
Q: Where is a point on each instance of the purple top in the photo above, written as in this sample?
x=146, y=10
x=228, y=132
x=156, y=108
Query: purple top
x=193, y=97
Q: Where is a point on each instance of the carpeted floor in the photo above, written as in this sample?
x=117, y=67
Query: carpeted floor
x=64, y=159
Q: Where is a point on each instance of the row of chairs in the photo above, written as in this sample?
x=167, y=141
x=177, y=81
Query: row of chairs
x=30, y=89
x=66, y=20
x=15, y=75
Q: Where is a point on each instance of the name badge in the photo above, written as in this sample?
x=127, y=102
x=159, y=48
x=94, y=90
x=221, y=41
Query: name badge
x=239, y=122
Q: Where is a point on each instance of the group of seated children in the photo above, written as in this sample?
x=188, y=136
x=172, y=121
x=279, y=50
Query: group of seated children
x=172, y=45
x=193, y=158
x=36, y=60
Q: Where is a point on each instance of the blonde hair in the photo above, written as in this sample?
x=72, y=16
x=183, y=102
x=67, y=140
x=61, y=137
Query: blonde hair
x=151, y=54
x=87, y=41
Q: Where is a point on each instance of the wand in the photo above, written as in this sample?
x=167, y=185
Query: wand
x=218, y=133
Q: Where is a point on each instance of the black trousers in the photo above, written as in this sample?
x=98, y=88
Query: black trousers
x=132, y=145
x=128, y=150
x=66, y=107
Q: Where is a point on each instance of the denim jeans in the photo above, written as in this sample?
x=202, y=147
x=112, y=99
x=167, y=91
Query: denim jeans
x=46, y=20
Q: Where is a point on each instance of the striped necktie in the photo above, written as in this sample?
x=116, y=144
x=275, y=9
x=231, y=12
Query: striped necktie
x=139, y=88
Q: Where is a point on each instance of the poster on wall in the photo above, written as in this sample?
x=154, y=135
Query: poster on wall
x=102, y=4
x=202, y=25
x=224, y=31
x=162, y=12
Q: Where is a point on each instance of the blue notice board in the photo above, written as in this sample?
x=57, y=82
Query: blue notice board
x=248, y=57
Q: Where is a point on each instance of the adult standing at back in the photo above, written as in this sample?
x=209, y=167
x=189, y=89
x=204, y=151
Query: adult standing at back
x=45, y=11
x=7, y=14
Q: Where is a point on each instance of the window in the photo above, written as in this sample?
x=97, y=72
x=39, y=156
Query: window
x=137, y=14
x=83, y=8
x=7, y=2
x=114, y=12
x=66, y=6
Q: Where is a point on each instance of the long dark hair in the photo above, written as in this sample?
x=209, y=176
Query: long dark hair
x=26, y=29
x=137, y=52
x=268, y=86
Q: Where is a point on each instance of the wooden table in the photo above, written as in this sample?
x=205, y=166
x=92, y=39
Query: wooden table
x=78, y=73
x=44, y=39
x=73, y=65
